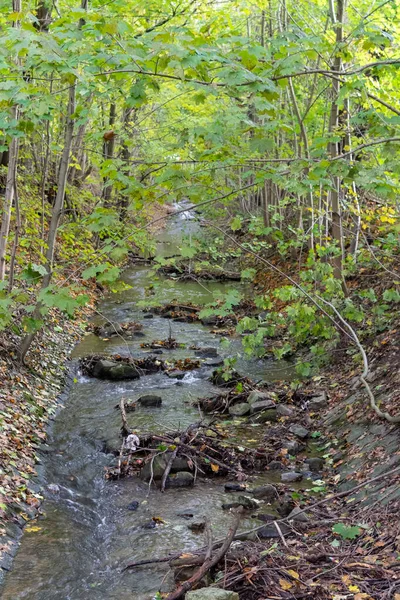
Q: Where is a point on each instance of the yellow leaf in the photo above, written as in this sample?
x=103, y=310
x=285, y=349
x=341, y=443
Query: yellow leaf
x=293, y=574
x=215, y=468
x=285, y=585
x=354, y=588
x=32, y=529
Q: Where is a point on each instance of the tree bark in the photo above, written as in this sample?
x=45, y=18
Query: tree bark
x=11, y=172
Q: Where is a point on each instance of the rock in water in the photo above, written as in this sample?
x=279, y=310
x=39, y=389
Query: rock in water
x=206, y=352
x=150, y=400
x=291, y=477
x=107, y=369
x=266, y=492
x=315, y=464
x=234, y=487
x=134, y=505
x=211, y=594
x=239, y=410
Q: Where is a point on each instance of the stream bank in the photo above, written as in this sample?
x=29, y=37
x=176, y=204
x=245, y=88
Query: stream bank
x=90, y=527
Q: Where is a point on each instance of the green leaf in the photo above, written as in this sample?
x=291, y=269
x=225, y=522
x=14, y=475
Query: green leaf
x=347, y=532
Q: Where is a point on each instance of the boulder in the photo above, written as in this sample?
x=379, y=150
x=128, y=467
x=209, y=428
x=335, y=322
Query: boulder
x=107, y=369
x=266, y=416
x=291, y=477
x=211, y=594
x=240, y=409
x=315, y=464
x=181, y=479
x=266, y=492
x=285, y=411
x=206, y=352
x=150, y=400
x=299, y=431
x=318, y=402
x=256, y=396
x=261, y=405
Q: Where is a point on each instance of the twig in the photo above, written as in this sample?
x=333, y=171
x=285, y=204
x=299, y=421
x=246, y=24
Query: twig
x=125, y=427
x=208, y=563
x=168, y=469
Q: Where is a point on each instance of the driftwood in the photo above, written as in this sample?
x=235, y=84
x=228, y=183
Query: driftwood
x=209, y=562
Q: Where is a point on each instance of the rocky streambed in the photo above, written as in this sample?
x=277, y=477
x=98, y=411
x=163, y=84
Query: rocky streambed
x=229, y=444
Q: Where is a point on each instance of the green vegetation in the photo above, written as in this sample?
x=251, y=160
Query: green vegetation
x=281, y=121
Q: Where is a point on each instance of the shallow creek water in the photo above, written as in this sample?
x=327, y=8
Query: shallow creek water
x=86, y=534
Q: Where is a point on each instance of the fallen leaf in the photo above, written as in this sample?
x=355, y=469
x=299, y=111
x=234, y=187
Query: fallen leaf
x=293, y=574
x=215, y=468
x=285, y=585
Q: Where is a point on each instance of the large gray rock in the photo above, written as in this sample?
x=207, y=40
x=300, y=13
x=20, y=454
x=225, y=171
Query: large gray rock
x=270, y=531
x=293, y=447
x=211, y=594
x=116, y=371
x=298, y=515
x=261, y=405
x=157, y=467
x=239, y=410
x=299, y=431
x=150, y=400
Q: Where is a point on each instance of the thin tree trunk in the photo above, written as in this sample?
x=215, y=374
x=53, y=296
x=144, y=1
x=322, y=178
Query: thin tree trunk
x=333, y=148
x=108, y=153
x=56, y=214
x=11, y=172
x=16, y=237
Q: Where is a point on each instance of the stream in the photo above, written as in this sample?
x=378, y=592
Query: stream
x=86, y=534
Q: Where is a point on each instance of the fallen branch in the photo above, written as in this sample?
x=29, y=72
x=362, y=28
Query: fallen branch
x=208, y=563
x=168, y=469
x=125, y=427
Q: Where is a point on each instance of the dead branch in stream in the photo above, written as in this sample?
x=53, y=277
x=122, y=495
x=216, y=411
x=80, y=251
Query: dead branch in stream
x=209, y=561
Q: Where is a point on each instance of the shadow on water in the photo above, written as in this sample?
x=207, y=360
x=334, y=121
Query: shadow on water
x=76, y=549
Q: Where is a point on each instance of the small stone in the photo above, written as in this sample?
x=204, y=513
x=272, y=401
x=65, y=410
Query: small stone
x=197, y=526
x=247, y=502
x=315, y=464
x=186, y=515
x=261, y=405
x=318, y=402
x=211, y=594
x=206, y=352
x=293, y=447
x=148, y=316
x=134, y=505
x=123, y=371
x=266, y=416
x=256, y=396
x=299, y=431
x=234, y=487
x=271, y=531
x=176, y=374
x=291, y=477
x=214, y=362
x=298, y=515
x=265, y=517
x=212, y=320
x=284, y=411
x=140, y=334
x=150, y=525
x=150, y=400
x=181, y=479
x=239, y=410
x=266, y=492
x=157, y=351
x=275, y=465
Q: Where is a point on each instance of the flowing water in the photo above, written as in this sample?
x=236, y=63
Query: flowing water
x=86, y=534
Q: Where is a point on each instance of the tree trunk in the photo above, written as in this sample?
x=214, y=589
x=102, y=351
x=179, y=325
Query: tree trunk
x=333, y=148
x=108, y=153
x=56, y=214
x=11, y=174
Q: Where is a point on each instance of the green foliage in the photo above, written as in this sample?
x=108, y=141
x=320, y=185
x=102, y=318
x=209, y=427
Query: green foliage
x=346, y=532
